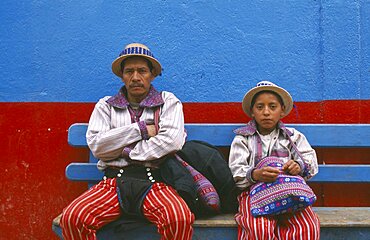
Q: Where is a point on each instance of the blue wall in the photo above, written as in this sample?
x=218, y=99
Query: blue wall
x=211, y=51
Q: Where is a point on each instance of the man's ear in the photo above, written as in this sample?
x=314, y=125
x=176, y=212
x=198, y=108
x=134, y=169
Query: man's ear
x=154, y=72
x=152, y=78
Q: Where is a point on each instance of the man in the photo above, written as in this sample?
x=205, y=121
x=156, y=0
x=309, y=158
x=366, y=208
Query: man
x=130, y=149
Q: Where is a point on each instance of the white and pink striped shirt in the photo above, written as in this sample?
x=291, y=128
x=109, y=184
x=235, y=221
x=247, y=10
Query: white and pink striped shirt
x=111, y=130
x=244, y=152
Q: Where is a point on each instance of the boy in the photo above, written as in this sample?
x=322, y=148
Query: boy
x=265, y=135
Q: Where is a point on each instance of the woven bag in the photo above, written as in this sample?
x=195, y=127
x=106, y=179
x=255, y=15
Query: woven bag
x=287, y=194
x=205, y=190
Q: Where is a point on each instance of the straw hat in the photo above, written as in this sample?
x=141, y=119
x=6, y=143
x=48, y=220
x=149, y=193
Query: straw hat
x=267, y=86
x=135, y=49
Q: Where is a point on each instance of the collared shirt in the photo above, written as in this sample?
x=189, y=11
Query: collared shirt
x=246, y=151
x=268, y=141
x=118, y=140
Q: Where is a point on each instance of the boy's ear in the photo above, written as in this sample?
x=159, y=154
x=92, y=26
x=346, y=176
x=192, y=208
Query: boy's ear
x=252, y=114
x=282, y=114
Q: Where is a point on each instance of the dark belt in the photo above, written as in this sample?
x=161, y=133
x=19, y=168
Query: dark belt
x=139, y=172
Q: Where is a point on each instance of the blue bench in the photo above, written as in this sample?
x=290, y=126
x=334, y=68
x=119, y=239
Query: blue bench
x=336, y=222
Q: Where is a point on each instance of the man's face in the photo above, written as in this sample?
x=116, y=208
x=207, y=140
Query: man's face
x=137, y=78
x=267, y=111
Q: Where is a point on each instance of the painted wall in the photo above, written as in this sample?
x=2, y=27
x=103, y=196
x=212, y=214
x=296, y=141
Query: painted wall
x=55, y=63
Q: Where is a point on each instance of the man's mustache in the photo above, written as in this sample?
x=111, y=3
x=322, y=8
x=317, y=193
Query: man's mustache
x=136, y=85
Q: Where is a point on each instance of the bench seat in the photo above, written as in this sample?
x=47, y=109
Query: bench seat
x=347, y=222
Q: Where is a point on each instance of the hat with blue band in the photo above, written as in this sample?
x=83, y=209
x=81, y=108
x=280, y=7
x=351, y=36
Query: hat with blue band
x=136, y=50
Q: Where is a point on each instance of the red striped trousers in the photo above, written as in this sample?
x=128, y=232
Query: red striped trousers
x=99, y=206
x=302, y=225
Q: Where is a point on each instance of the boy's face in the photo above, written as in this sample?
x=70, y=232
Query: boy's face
x=267, y=111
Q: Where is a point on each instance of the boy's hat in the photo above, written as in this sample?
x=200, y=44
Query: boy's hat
x=267, y=86
x=139, y=50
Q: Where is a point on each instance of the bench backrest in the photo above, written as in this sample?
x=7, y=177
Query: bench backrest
x=221, y=135
x=319, y=135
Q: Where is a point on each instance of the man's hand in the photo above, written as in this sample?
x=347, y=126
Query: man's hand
x=265, y=174
x=292, y=167
x=151, y=130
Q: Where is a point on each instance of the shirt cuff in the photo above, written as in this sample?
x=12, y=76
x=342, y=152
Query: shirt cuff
x=126, y=152
x=249, y=176
x=143, y=130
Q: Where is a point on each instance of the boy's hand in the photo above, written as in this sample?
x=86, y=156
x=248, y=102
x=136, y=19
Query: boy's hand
x=292, y=167
x=265, y=174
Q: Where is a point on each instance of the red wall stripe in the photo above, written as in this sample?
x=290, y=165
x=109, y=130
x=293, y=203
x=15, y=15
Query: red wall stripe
x=34, y=154
x=332, y=111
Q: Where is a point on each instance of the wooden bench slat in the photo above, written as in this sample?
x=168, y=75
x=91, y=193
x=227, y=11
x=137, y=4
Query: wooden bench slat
x=327, y=173
x=343, y=216
x=77, y=135
x=319, y=135
x=329, y=217
x=83, y=172
x=342, y=173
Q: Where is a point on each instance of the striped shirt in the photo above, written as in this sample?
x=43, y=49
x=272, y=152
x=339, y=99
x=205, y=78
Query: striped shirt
x=118, y=141
x=244, y=152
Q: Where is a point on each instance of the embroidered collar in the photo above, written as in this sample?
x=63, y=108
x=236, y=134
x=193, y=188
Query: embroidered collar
x=251, y=129
x=153, y=99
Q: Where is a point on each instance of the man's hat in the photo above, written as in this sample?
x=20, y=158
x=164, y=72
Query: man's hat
x=267, y=86
x=132, y=50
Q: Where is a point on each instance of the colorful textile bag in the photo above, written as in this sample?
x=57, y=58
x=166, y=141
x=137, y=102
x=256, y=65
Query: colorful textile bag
x=287, y=194
x=206, y=191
